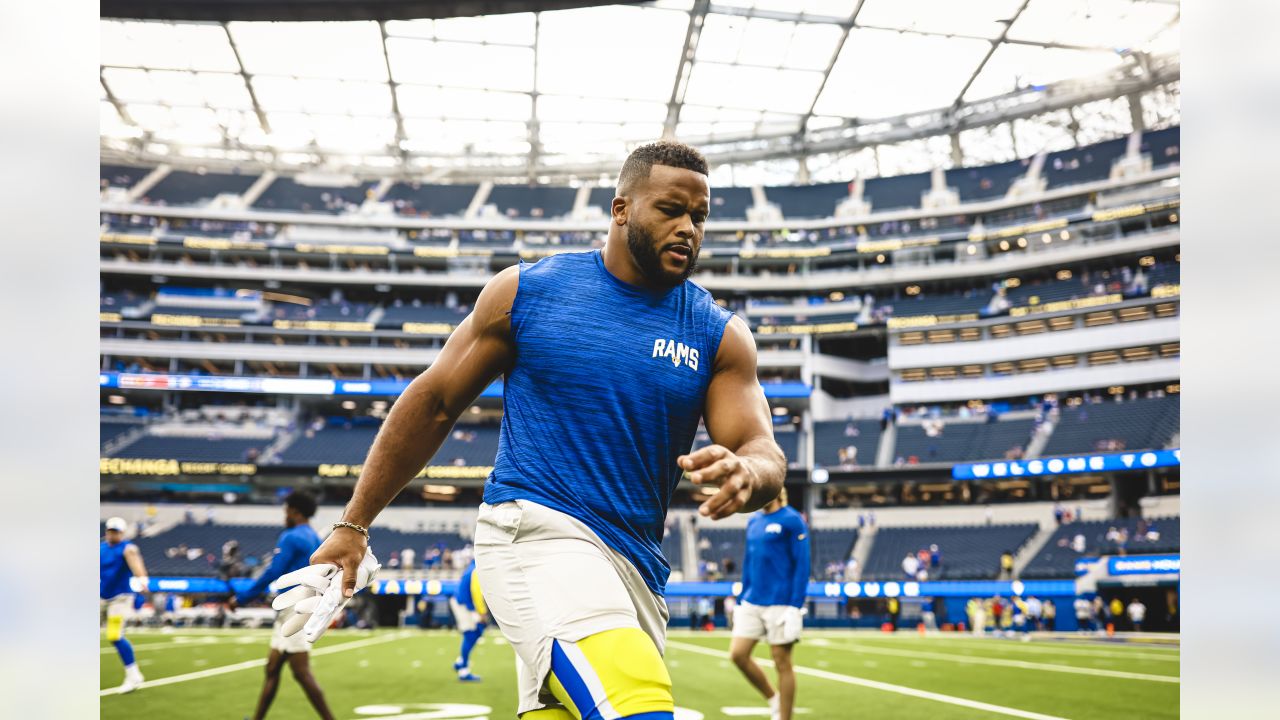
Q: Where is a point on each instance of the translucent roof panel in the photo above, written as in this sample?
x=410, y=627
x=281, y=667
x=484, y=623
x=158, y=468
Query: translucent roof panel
x=914, y=156
x=459, y=136
x=987, y=145
x=563, y=108
x=1043, y=133
x=311, y=95
x=717, y=85
x=431, y=102
x=513, y=29
x=1102, y=120
x=178, y=46
x=1015, y=67
x=1117, y=24
x=819, y=8
x=219, y=90
x=342, y=50
x=880, y=73
x=980, y=18
x=457, y=64
x=637, y=60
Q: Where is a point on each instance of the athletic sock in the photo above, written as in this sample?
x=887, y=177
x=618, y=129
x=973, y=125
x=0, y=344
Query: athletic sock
x=469, y=640
x=126, y=652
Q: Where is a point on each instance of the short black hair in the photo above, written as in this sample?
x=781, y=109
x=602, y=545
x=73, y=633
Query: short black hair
x=302, y=502
x=663, y=152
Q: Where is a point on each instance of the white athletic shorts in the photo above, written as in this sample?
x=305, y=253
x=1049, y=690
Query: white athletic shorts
x=768, y=623
x=120, y=606
x=547, y=576
x=464, y=617
x=296, y=643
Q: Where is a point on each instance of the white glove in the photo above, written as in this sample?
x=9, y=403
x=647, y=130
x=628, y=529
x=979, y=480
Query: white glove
x=317, y=599
x=792, y=621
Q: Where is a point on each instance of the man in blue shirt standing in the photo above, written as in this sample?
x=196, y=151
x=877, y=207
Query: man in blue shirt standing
x=775, y=575
x=293, y=550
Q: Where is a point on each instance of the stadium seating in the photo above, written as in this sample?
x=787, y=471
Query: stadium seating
x=673, y=548
x=960, y=442
x=166, y=553
x=973, y=301
x=901, y=191
x=808, y=201
x=968, y=552
x=197, y=449
x=985, y=182
x=322, y=310
x=187, y=188
x=123, y=176
x=397, y=315
x=1085, y=164
x=286, y=194
x=830, y=437
x=1142, y=424
x=601, y=197
x=109, y=430
x=830, y=545
x=730, y=203
x=1057, y=560
x=537, y=201
x=1162, y=146
x=206, y=312
x=431, y=200
x=473, y=445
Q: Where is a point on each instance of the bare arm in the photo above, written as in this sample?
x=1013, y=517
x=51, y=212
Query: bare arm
x=478, y=351
x=745, y=462
x=133, y=557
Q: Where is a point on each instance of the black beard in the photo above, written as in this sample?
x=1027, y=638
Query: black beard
x=648, y=258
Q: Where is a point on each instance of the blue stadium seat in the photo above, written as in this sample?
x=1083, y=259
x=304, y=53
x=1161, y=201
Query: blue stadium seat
x=901, y=191
x=829, y=437
x=123, y=176
x=1057, y=560
x=967, y=552
x=808, y=201
x=188, y=188
x=730, y=203
x=538, y=201
x=432, y=200
x=1163, y=146
x=195, y=449
x=985, y=182
x=286, y=194
x=1084, y=164
x=1143, y=424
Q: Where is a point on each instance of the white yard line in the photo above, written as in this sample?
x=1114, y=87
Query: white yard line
x=1040, y=647
x=883, y=686
x=1022, y=664
x=249, y=664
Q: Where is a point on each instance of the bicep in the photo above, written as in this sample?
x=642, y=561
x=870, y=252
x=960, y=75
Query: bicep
x=479, y=350
x=736, y=410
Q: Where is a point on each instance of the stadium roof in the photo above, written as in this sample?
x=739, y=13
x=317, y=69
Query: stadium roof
x=774, y=91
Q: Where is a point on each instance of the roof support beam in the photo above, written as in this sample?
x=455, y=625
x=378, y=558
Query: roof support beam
x=990, y=51
x=831, y=63
x=395, y=99
x=115, y=101
x=685, y=69
x=248, y=84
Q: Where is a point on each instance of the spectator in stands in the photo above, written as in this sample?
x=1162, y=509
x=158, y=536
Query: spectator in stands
x=1006, y=565
x=1078, y=543
x=935, y=559
x=910, y=566
x=851, y=568
x=1137, y=614
x=1058, y=512
x=407, y=557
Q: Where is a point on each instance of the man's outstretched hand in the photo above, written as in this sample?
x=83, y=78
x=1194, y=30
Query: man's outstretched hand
x=717, y=466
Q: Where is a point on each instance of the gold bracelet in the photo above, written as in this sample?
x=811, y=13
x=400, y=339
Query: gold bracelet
x=352, y=526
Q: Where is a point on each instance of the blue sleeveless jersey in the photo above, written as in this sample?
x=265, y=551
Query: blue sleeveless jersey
x=114, y=572
x=605, y=393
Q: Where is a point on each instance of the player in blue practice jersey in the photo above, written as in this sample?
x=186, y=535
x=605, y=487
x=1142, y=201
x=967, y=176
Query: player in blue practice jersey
x=775, y=575
x=293, y=549
x=610, y=357
x=469, y=613
x=120, y=572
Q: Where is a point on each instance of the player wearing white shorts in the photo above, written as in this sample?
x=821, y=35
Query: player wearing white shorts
x=121, y=570
x=775, y=576
x=294, y=547
x=610, y=358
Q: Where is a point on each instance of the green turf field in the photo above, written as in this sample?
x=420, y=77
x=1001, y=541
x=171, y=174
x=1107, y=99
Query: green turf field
x=398, y=675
